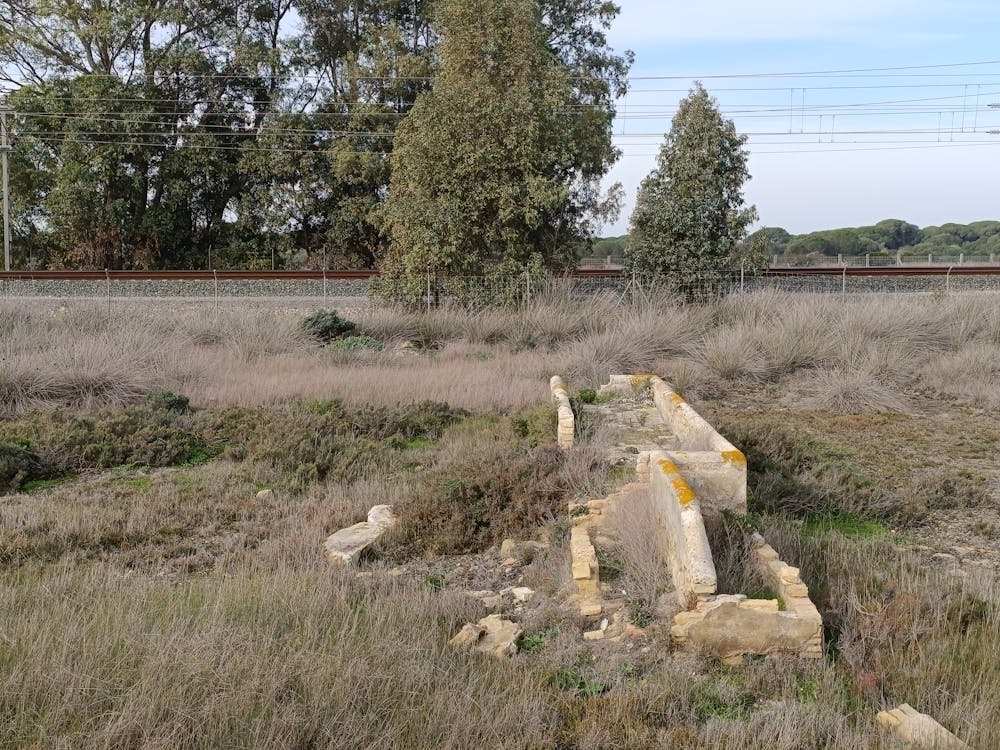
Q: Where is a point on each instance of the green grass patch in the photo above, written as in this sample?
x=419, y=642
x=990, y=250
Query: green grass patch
x=848, y=524
x=37, y=485
x=534, y=642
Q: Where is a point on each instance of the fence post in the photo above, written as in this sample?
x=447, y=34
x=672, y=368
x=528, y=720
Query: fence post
x=324, y=286
x=868, y=260
x=961, y=258
x=992, y=258
x=428, y=290
x=107, y=276
x=930, y=258
x=840, y=259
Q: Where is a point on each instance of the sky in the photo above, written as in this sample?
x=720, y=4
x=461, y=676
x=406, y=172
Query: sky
x=903, y=134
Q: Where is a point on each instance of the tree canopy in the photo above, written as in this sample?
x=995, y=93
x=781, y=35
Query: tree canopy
x=152, y=133
x=493, y=167
x=690, y=219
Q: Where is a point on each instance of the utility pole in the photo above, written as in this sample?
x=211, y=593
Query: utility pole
x=4, y=149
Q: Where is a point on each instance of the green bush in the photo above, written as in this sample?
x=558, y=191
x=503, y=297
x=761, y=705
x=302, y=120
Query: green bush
x=356, y=343
x=17, y=465
x=139, y=434
x=326, y=326
x=161, y=398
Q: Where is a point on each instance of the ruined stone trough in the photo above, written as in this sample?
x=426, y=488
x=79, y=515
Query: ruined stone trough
x=689, y=475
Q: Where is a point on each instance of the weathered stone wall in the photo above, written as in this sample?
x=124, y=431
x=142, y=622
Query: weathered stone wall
x=686, y=542
x=713, y=467
x=707, y=473
x=565, y=431
x=729, y=626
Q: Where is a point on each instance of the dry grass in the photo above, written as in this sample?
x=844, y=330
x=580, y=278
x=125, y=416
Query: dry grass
x=644, y=564
x=844, y=391
x=491, y=360
x=173, y=609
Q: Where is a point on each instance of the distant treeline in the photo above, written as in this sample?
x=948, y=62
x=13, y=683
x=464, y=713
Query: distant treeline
x=892, y=236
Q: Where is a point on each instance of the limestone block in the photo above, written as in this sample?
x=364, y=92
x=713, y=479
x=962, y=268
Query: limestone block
x=730, y=630
x=566, y=423
x=920, y=730
x=467, y=638
x=522, y=593
x=344, y=547
x=265, y=495
x=593, y=635
x=591, y=608
x=520, y=549
x=719, y=482
x=621, y=384
x=492, y=635
x=584, y=561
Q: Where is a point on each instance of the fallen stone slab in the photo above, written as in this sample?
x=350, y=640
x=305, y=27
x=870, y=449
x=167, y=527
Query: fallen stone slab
x=521, y=548
x=731, y=626
x=344, y=547
x=492, y=635
x=920, y=730
x=522, y=593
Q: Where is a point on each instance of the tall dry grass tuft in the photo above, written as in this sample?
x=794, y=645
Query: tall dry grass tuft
x=733, y=354
x=845, y=392
x=640, y=548
x=799, y=336
x=971, y=373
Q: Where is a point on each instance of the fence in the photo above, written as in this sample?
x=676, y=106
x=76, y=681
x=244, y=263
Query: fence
x=486, y=291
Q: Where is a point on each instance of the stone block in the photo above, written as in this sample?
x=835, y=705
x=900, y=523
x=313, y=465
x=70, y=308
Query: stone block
x=344, y=547
x=522, y=594
x=492, y=635
x=731, y=629
x=919, y=730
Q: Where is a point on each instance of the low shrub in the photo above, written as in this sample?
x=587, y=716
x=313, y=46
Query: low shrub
x=161, y=398
x=488, y=484
x=326, y=325
x=357, y=343
x=17, y=465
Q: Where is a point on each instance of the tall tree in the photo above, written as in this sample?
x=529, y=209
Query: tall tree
x=690, y=219
x=485, y=168
x=159, y=133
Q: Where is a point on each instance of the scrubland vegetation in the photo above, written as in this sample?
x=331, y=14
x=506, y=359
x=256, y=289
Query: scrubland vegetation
x=150, y=598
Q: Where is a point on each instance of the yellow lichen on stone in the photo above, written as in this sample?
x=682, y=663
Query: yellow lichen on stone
x=676, y=399
x=667, y=466
x=734, y=457
x=684, y=493
x=639, y=381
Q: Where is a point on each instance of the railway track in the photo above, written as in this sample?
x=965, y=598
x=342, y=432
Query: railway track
x=361, y=274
